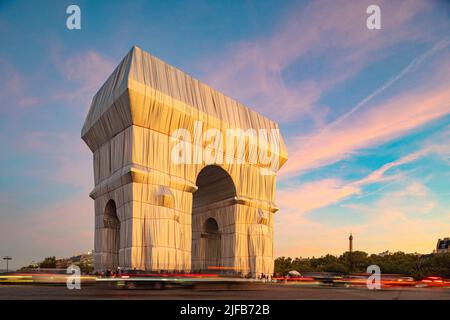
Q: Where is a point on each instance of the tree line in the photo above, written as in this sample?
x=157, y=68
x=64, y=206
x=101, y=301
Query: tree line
x=411, y=264
x=50, y=263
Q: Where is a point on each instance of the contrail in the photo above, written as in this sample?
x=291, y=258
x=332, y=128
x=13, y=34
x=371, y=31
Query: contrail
x=413, y=64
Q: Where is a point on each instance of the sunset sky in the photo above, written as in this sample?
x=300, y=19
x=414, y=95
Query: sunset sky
x=365, y=113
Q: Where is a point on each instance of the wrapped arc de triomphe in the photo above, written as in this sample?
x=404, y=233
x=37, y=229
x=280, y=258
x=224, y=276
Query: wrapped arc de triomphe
x=184, y=176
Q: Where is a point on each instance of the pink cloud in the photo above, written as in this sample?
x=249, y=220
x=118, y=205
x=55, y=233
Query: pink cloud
x=87, y=71
x=61, y=229
x=58, y=228
x=322, y=193
x=83, y=72
x=313, y=195
x=370, y=126
x=90, y=68
x=69, y=161
x=13, y=90
x=408, y=220
x=253, y=70
x=411, y=209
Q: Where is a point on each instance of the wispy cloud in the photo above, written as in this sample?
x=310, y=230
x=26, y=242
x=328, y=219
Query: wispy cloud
x=442, y=44
x=322, y=193
x=370, y=126
x=77, y=78
x=67, y=159
x=13, y=92
x=255, y=71
x=61, y=158
x=407, y=220
x=61, y=229
x=86, y=71
x=291, y=74
x=314, y=194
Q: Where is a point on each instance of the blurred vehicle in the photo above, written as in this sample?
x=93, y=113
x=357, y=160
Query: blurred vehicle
x=42, y=276
x=295, y=280
x=15, y=278
x=397, y=280
x=324, y=277
x=308, y=278
x=133, y=279
x=387, y=280
x=353, y=280
x=434, y=281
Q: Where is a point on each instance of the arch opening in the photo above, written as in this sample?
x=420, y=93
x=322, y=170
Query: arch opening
x=212, y=245
x=211, y=226
x=111, y=223
x=215, y=185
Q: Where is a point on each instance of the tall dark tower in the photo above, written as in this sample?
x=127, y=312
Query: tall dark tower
x=350, y=243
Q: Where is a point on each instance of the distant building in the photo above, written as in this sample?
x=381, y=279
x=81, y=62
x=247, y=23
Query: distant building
x=62, y=263
x=84, y=258
x=443, y=245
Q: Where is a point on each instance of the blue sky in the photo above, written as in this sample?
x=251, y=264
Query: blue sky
x=365, y=113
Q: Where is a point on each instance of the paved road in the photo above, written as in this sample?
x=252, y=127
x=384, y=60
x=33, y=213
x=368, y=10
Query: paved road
x=255, y=292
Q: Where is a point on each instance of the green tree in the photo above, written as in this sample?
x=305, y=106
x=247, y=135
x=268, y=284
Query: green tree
x=283, y=265
x=85, y=267
x=49, y=262
x=356, y=261
x=410, y=264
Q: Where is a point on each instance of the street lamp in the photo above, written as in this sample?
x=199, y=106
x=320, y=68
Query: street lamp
x=7, y=258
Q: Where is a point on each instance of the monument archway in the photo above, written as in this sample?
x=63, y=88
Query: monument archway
x=212, y=209
x=213, y=250
x=111, y=225
x=172, y=152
